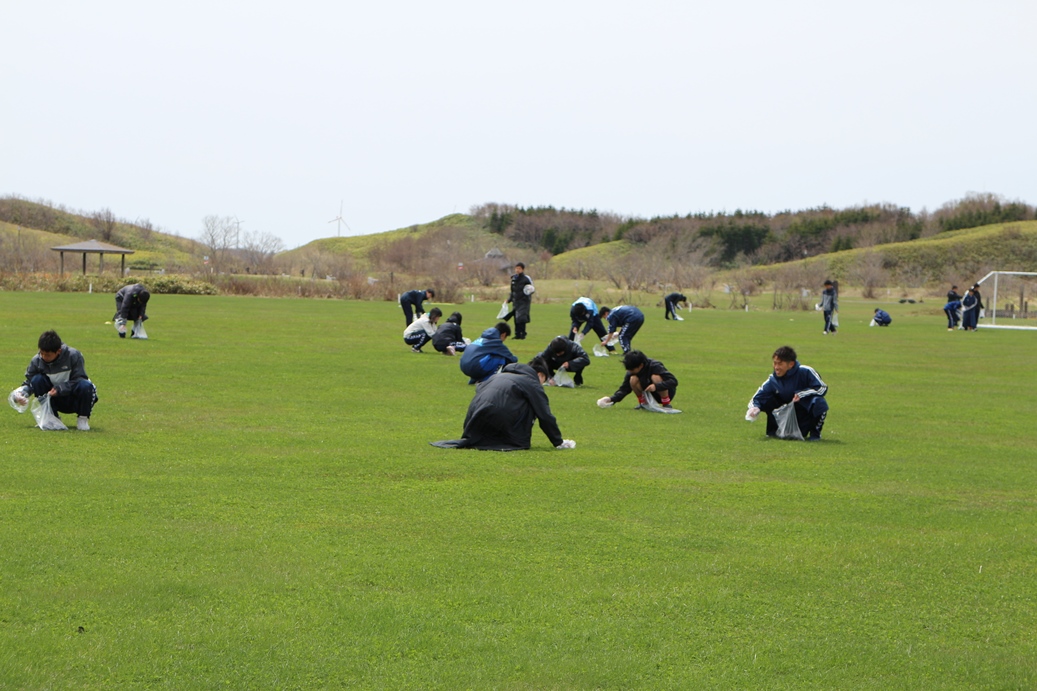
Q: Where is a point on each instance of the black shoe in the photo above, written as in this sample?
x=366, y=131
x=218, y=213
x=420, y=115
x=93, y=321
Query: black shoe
x=122, y=334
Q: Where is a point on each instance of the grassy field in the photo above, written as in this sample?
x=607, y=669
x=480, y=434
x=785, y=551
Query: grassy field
x=257, y=506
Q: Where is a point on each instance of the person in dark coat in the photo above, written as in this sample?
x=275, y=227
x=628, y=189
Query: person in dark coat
x=563, y=354
x=584, y=312
x=644, y=377
x=796, y=383
x=487, y=354
x=59, y=371
x=131, y=304
x=969, y=310
x=448, y=339
x=413, y=299
x=672, y=301
x=979, y=305
x=521, y=297
x=500, y=416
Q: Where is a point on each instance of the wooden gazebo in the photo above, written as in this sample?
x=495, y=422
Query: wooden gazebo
x=93, y=247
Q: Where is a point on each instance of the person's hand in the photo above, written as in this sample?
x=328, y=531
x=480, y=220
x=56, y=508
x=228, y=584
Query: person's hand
x=567, y=444
x=52, y=392
x=604, y=402
x=650, y=387
x=20, y=399
x=565, y=365
x=795, y=399
x=752, y=414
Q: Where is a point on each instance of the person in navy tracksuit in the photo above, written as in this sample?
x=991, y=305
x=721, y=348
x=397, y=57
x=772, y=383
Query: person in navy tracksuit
x=626, y=319
x=487, y=354
x=672, y=302
x=796, y=383
x=413, y=299
x=882, y=318
x=584, y=312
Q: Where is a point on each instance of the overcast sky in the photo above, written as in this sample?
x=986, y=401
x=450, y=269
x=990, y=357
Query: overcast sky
x=408, y=111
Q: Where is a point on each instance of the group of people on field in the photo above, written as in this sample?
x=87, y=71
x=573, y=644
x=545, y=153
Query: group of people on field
x=964, y=311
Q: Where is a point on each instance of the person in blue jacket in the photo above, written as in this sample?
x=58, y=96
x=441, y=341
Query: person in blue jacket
x=487, y=354
x=413, y=299
x=881, y=318
x=626, y=319
x=585, y=313
x=796, y=383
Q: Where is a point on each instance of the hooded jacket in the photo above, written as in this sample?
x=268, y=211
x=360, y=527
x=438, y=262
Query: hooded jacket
x=485, y=356
x=66, y=369
x=574, y=354
x=131, y=302
x=448, y=333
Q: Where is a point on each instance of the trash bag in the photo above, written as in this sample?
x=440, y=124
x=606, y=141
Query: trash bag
x=873, y=323
x=601, y=351
x=835, y=319
x=503, y=310
x=45, y=417
x=788, y=425
x=563, y=378
x=579, y=337
x=678, y=317
x=138, y=330
x=653, y=406
x=14, y=397
x=528, y=289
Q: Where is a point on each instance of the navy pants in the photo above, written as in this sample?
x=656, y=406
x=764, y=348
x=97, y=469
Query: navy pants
x=810, y=414
x=407, y=311
x=671, y=308
x=80, y=400
x=829, y=326
x=627, y=333
x=417, y=340
x=593, y=324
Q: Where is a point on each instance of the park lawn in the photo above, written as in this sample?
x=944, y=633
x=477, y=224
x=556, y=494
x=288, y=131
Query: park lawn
x=257, y=506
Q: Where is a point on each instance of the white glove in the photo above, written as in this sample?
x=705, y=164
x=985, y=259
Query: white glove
x=604, y=402
x=752, y=414
x=567, y=444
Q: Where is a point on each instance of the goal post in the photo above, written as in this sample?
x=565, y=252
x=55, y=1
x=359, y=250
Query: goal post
x=1013, y=301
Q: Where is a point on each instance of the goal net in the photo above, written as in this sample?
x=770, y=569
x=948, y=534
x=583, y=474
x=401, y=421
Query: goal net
x=1010, y=300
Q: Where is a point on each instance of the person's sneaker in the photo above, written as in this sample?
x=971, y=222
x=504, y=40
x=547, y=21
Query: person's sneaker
x=450, y=350
x=122, y=334
x=83, y=423
x=667, y=407
x=415, y=349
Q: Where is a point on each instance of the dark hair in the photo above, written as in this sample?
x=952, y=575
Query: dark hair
x=50, y=342
x=435, y=313
x=602, y=311
x=454, y=318
x=975, y=287
x=828, y=283
x=503, y=329
x=431, y=293
x=143, y=296
x=634, y=358
x=521, y=265
x=876, y=309
x=954, y=287
x=580, y=310
x=785, y=354
x=539, y=365
x=558, y=343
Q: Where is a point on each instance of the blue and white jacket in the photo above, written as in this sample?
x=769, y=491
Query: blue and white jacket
x=485, y=356
x=623, y=315
x=777, y=391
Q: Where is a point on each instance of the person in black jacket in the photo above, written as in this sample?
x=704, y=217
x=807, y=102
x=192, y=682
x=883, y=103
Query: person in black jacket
x=521, y=297
x=672, y=301
x=448, y=339
x=414, y=299
x=563, y=354
x=131, y=304
x=644, y=377
x=500, y=416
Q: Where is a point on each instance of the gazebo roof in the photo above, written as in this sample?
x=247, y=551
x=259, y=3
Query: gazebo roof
x=93, y=246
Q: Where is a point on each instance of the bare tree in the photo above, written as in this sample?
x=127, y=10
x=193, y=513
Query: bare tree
x=105, y=222
x=217, y=239
x=869, y=273
x=258, y=250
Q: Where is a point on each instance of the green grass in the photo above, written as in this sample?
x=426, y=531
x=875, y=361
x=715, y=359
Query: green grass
x=257, y=506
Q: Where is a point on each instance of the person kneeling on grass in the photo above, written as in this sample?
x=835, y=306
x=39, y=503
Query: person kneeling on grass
x=59, y=371
x=792, y=382
x=563, y=354
x=644, y=377
x=448, y=339
x=500, y=416
x=421, y=330
x=487, y=354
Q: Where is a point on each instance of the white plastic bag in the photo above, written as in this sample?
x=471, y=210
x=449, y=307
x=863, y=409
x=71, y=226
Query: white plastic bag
x=503, y=310
x=788, y=425
x=653, y=406
x=873, y=323
x=579, y=337
x=601, y=351
x=19, y=400
x=678, y=317
x=45, y=417
x=528, y=289
x=138, y=330
x=567, y=444
x=835, y=319
x=563, y=378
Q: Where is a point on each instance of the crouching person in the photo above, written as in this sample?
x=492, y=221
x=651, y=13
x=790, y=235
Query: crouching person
x=644, y=377
x=487, y=354
x=59, y=371
x=792, y=382
x=500, y=416
x=421, y=330
x=448, y=339
x=565, y=355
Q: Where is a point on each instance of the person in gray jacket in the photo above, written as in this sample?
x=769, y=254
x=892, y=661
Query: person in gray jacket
x=131, y=304
x=59, y=371
x=830, y=305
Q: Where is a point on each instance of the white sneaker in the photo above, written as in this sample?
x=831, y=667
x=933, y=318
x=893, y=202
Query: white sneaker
x=83, y=423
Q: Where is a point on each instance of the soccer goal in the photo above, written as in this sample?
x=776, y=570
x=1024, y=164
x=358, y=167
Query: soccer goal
x=1011, y=304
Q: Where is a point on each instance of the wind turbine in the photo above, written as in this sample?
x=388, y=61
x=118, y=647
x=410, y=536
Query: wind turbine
x=341, y=221
x=237, y=233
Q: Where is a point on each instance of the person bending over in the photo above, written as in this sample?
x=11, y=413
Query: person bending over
x=413, y=299
x=673, y=301
x=626, y=320
x=563, y=354
x=585, y=313
x=487, y=354
x=131, y=304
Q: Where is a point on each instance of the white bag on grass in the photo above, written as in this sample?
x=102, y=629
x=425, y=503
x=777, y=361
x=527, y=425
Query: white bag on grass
x=45, y=417
x=138, y=330
x=653, y=406
x=19, y=400
x=601, y=351
x=788, y=425
x=503, y=311
x=563, y=378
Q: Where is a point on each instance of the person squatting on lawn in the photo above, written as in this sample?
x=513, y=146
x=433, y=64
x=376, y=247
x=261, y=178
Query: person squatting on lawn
x=563, y=354
x=672, y=300
x=421, y=330
x=131, y=303
x=448, y=339
x=644, y=377
x=626, y=319
x=487, y=354
x=584, y=312
x=60, y=371
x=521, y=296
x=796, y=383
x=829, y=305
x=881, y=318
x=500, y=416
x=414, y=299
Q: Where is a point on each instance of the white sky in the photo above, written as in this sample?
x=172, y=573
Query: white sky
x=408, y=111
